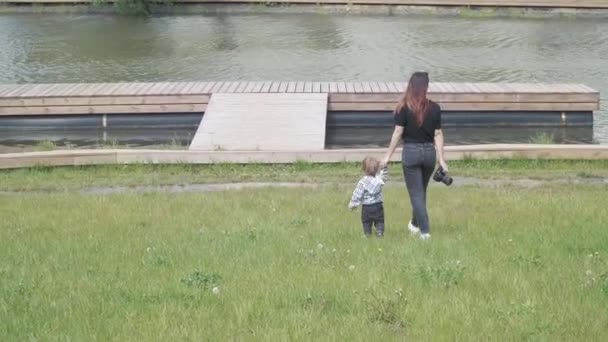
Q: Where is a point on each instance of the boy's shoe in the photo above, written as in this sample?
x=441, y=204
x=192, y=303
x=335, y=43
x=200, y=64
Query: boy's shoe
x=413, y=229
x=425, y=236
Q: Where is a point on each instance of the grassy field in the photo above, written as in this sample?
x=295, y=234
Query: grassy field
x=66, y=178
x=504, y=263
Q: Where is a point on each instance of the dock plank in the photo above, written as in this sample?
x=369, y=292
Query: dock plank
x=333, y=87
x=198, y=88
x=155, y=90
x=274, y=87
x=240, y=86
x=208, y=87
x=383, y=88
x=224, y=87
x=114, y=109
x=257, y=88
x=350, y=87
x=307, y=87
x=104, y=100
x=358, y=86
x=265, y=87
x=300, y=87
x=187, y=89
x=465, y=106
x=139, y=88
x=216, y=87
x=233, y=87
x=324, y=87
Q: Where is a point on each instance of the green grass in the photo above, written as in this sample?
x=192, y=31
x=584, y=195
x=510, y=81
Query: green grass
x=290, y=264
x=47, y=178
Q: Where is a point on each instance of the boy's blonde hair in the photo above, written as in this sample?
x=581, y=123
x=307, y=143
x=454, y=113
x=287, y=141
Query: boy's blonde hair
x=370, y=166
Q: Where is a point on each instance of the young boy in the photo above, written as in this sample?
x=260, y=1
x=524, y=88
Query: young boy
x=368, y=193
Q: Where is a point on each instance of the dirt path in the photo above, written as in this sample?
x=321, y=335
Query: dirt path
x=186, y=188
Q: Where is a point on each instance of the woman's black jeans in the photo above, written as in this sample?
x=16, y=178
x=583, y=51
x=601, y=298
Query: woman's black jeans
x=418, y=165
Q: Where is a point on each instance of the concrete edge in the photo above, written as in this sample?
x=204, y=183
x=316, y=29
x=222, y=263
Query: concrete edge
x=120, y=156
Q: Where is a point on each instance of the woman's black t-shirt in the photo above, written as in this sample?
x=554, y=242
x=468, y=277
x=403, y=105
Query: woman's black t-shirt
x=412, y=133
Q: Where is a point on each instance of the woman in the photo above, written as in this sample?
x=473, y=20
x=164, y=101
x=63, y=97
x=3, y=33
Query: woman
x=418, y=124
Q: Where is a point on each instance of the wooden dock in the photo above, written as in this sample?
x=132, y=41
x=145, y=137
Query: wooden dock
x=583, y=4
x=193, y=97
x=290, y=116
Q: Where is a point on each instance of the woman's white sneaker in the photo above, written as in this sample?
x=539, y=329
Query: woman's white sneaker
x=425, y=236
x=413, y=229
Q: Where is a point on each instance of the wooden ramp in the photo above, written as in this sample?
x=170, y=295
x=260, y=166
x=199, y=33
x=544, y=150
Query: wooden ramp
x=263, y=122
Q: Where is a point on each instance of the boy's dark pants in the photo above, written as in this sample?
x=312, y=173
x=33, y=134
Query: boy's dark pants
x=373, y=214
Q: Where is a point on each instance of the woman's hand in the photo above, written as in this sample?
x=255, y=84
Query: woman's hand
x=443, y=165
x=384, y=162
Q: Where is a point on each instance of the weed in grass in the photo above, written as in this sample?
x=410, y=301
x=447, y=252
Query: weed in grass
x=447, y=275
x=528, y=261
x=588, y=175
x=299, y=222
x=46, y=145
x=387, y=310
x=202, y=280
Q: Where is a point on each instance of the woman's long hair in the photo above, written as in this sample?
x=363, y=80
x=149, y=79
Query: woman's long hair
x=414, y=97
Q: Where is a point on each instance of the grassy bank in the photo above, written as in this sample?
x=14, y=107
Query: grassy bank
x=290, y=264
x=61, y=178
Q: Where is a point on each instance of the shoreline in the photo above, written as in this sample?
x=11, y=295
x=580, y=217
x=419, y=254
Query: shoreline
x=190, y=8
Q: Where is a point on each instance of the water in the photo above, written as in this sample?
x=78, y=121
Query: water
x=98, y=48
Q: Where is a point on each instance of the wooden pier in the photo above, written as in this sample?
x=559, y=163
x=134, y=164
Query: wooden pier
x=188, y=97
x=281, y=115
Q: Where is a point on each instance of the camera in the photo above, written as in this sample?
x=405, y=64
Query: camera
x=442, y=176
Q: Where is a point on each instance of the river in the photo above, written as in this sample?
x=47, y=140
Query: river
x=37, y=48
